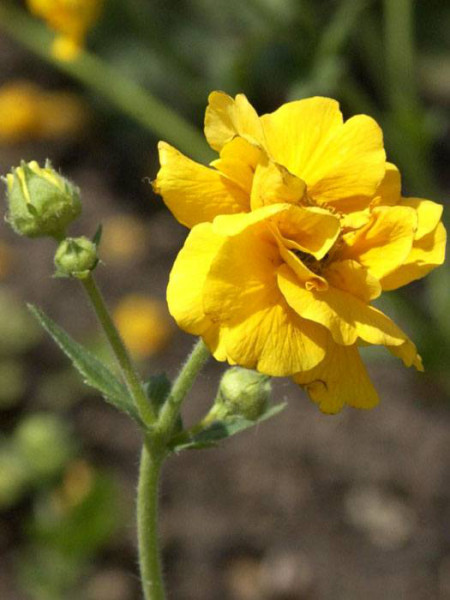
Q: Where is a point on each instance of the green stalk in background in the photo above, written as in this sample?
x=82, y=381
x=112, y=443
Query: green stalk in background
x=405, y=125
x=123, y=93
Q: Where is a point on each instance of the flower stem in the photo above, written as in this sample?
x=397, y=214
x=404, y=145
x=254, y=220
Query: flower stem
x=153, y=454
x=128, y=370
x=107, y=81
x=147, y=522
x=171, y=408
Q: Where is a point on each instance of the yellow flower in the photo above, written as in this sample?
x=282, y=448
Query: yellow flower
x=124, y=239
x=28, y=112
x=297, y=227
x=70, y=19
x=143, y=324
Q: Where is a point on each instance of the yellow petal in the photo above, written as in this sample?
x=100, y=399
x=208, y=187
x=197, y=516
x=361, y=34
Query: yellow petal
x=262, y=332
x=230, y=225
x=341, y=378
x=238, y=160
x=426, y=254
x=345, y=316
x=355, y=220
x=385, y=242
x=428, y=215
x=389, y=190
x=337, y=161
x=350, y=276
x=227, y=118
x=273, y=184
x=308, y=229
x=352, y=163
x=308, y=278
x=195, y=193
x=186, y=282
x=297, y=131
x=408, y=353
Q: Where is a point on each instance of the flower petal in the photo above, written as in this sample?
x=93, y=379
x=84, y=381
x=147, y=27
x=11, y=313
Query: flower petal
x=226, y=118
x=389, y=190
x=273, y=184
x=345, y=316
x=350, y=276
x=308, y=229
x=337, y=160
x=186, y=282
x=238, y=160
x=195, y=193
x=341, y=378
x=428, y=214
x=385, y=242
x=426, y=254
x=297, y=131
x=262, y=332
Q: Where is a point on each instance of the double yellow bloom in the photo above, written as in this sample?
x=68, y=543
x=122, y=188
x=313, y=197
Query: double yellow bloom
x=296, y=228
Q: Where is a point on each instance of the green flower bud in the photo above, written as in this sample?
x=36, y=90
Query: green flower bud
x=242, y=392
x=76, y=257
x=41, y=202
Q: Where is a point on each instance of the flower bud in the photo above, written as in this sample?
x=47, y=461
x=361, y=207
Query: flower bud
x=76, y=257
x=41, y=202
x=243, y=393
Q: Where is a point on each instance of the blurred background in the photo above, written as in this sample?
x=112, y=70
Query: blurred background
x=304, y=507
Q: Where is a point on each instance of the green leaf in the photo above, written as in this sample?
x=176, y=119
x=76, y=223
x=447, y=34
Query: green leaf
x=157, y=388
x=219, y=430
x=94, y=372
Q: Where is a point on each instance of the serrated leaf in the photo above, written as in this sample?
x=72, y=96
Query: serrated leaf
x=219, y=430
x=93, y=371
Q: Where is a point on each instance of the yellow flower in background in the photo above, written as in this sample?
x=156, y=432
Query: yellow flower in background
x=124, y=239
x=143, y=323
x=70, y=19
x=29, y=112
x=296, y=228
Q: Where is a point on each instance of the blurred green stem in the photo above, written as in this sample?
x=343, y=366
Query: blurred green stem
x=129, y=372
x=108, y=82
x=399, y=43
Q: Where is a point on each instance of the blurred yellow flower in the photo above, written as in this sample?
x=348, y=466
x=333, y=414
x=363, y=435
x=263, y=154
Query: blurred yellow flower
x=28, y=112
x=70, y=19
x=298, y=226
x=143, y=323
x=124, y=239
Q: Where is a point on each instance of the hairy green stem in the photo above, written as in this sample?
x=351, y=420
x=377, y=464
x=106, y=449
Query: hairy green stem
x=147, y=522
x=171, y=408
x=128, y=370
x=153, y=454
x=107, y=81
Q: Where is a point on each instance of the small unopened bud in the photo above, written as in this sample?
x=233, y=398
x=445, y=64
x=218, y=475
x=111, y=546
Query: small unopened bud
x=243, y=392
x=41, y=202
x=76, y=257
